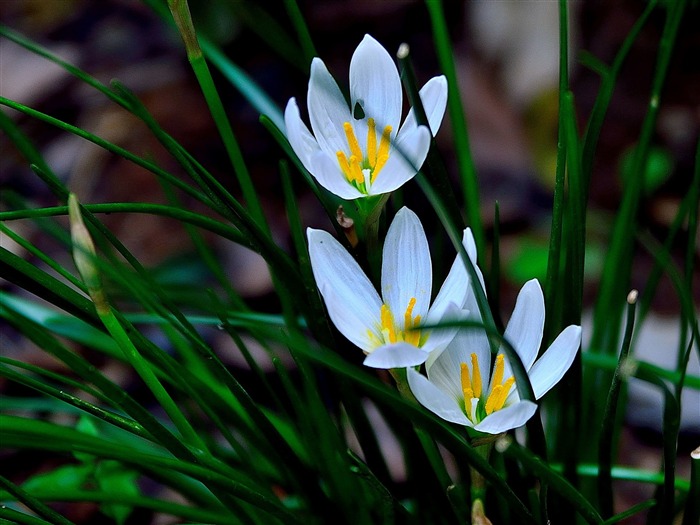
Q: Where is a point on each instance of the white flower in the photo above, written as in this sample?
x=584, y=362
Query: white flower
x=356, y=157
x=383, y=326
x=463, y=388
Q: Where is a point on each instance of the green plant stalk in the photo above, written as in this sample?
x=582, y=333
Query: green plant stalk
x=105, y=415
x=31, y=434
x=602, y=101
x=437, y=173
x=616, y=272
x=157, y=505
x=12, y=517
x=607, y=430
x=665, y=493
x=84, y=254
x=302, y=30
x=555, y=482
x=691, y=514
x=181, y=15
x=33, y=503
x=467, y=171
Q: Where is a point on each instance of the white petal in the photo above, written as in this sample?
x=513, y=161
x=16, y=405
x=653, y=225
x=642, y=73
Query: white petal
x=375, y=84
x=353, y=303
x=405, y=159
x=435, y=400
x=456, y=286
x=433, y=96
x=406, y=267
x=513, y=416
x=327, y=172
x=302, y=141
x=328, y=109
x=445, y=371
x=524, y=330
x=551, y=367
x=397, y=355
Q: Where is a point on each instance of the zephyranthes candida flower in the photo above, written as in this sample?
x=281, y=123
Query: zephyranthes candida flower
x=465, y=388
x=387, y=328
x=360, y=150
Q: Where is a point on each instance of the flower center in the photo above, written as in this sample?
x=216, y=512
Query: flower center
x=391, y=333
x=476, y=407
x=361, y=170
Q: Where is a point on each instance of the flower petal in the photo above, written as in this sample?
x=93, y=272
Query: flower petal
x=328, y=109
x=433, y=96
x=513, y=416
x=352, y=302
x=375, y=84
x=456, y=286
x=397, y=355
x=406, y=267
x=524, y=330
x=327, y=172
x=551, y=367
x=302, y=141
x=405, y=159
x=435, y=400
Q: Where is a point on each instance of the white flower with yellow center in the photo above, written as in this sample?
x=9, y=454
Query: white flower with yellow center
x=359, y=150
x=464, y=388
x=387, y=328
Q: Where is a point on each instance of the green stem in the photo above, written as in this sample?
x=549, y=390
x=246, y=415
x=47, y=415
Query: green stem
x=467, y=170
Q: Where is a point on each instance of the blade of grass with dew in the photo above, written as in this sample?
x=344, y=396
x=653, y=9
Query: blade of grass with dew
x=467, y=171
x=80, y=404
x=32, y=503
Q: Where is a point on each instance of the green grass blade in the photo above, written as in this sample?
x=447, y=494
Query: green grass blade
x=467, y=171
x=33, y=503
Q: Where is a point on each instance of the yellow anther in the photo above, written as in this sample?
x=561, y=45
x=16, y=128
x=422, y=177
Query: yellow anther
x=466, y=382
x=408, y=319
x=388, y=323
x=383, y=154
x=498, y=396
x=493, y=399
x=355, y=170
x=352, y=141
x=476, y=376
x=371, y=143
x=344, y=166
x=498, y=372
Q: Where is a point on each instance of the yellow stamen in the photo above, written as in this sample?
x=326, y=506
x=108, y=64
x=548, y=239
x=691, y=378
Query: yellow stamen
x=383, y=154
x=466, y=383
x=344, y=166
x=388, y=323
x=498, y=373
x=476, y=376
x=493, y=398
x=498, y=396
x=408, y=319
x=352, y=141
x=371, y=143
x=356, y=170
